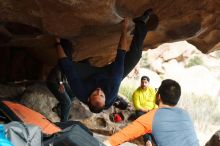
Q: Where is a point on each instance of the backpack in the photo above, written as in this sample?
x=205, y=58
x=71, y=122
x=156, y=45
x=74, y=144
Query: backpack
x=74, y=135
x=71, y=133
x=21, y=134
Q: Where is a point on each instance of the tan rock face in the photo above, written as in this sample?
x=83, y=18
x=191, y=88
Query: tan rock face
x=93, y=25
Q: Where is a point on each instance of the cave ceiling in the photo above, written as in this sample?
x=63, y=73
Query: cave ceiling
x=93, y=26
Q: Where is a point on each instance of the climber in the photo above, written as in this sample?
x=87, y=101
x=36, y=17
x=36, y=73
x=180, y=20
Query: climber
x=99, y=91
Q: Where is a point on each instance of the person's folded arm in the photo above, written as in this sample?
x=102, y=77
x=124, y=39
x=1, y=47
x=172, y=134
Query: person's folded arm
x=136, y=101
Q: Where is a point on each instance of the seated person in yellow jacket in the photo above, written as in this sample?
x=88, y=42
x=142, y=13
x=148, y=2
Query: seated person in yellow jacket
x=144, y=100
x=144, y=97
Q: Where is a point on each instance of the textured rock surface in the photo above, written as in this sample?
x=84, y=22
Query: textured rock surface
x=39, y=98
x=11, y=91
x=93, y=25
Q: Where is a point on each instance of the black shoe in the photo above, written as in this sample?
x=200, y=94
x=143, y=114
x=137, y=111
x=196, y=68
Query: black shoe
x=143, y=18
x=121, y=103
x=67, y=47
x=149, y=18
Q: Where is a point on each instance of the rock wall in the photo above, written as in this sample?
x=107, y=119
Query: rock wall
x=93, y=25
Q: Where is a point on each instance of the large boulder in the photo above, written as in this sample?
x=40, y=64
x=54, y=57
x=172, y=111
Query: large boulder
x=38, y=97
x=11, y=91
